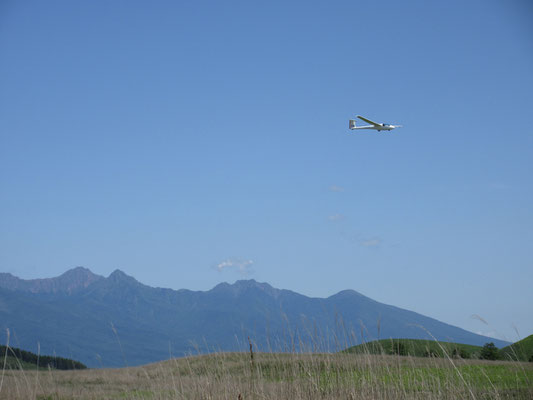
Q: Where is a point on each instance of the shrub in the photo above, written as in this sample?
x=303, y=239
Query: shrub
x=489, y=352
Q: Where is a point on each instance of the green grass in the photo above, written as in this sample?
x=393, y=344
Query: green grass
x=521, y=350
x=282, y=376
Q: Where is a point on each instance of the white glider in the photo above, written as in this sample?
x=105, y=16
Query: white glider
x=375, y=125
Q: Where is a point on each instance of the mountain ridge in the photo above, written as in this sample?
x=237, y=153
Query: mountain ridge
x=70, y=281
x=117, y=321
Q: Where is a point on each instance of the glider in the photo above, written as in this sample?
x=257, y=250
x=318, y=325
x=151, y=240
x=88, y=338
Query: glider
x=374, y=125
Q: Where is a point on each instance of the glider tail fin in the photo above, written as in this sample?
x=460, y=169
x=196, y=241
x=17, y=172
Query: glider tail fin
x=352, y=124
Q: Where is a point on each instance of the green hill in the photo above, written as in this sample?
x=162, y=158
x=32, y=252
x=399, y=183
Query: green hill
x=521, y=350
x=417, y=348
x=22, y=359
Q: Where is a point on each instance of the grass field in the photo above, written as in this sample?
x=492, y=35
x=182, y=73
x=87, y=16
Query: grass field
x=282, y=376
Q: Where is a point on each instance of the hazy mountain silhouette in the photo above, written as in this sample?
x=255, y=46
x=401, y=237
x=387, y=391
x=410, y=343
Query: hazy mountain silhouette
x=71, y=281
x=117, y=321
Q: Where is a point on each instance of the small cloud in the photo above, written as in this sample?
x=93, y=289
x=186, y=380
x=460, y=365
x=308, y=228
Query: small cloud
x=335, y=188
x=337, y=217
x=491, y=334
x=371, y=242
x=242, y=266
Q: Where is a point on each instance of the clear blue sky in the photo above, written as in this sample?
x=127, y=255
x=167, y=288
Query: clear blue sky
x=193, y=142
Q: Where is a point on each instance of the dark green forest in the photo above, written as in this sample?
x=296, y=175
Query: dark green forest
x=40, y=361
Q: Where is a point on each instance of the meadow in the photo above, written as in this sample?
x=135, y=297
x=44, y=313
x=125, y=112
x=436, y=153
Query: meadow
x=257, y=375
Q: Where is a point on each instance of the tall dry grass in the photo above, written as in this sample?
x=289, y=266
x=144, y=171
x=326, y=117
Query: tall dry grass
x=294, y=376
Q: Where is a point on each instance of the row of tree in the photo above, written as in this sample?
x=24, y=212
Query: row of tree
x=488, y=352
x=39, y=360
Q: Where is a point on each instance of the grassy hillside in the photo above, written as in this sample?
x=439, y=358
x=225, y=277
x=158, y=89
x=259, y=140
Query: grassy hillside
x=521, y=350
x=22, y=359
x=283, y=376
x=416, y=348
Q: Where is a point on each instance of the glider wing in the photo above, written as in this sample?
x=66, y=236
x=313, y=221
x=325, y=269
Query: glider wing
x=370, y=122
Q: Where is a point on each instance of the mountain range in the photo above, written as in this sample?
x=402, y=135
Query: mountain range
x=118, y=321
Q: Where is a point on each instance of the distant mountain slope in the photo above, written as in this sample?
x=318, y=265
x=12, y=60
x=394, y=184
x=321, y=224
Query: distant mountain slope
x=118, y=321
x=521, y=350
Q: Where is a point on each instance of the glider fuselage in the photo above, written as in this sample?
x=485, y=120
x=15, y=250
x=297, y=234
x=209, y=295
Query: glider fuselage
x=376, y=126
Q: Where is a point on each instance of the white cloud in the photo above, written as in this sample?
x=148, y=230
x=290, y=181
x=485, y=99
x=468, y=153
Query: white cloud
x=242, y=266
x=335, y=188
x=491, y=334
x=371, y=243
x=337, y=217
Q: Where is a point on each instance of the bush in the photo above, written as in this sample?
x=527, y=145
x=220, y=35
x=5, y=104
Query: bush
x=489, y=352
x=460, y=353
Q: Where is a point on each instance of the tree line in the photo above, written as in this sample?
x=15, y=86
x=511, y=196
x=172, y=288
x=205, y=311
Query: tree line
x=488, y=352
x=39, y=360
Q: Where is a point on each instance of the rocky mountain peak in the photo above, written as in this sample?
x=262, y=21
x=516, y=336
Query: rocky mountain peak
x=244, y=285
x=69, y=282
x=118, y=276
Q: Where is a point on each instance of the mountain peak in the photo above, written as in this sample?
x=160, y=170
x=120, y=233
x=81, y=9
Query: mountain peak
x=252, y=283
x=244, y=285
x=69, y=282
x=347, y=293
x=118, y=276
x=78, y=273
x=76, y=278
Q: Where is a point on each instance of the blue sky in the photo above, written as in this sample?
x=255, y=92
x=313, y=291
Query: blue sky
x=189, y=143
